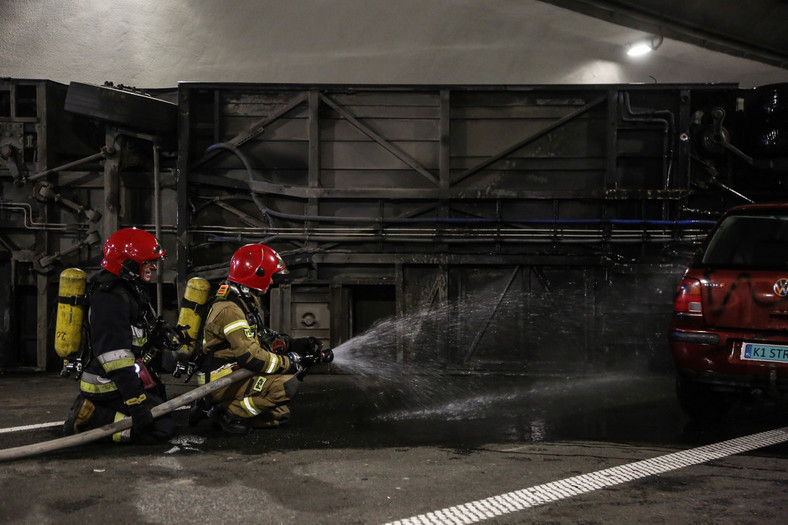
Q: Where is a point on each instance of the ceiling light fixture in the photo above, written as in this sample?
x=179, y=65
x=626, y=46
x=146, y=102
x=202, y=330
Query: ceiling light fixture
x=644, y=46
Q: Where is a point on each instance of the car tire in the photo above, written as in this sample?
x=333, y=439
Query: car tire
x=701, y=402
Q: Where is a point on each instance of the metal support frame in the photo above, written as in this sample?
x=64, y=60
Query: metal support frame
x=112, y=188
x=43, y=238
x=474, y=345
x=530, y=138
x=418, y=216
x=309, y=111
x=388, y=146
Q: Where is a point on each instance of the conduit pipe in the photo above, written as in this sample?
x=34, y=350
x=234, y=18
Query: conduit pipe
x=380, y=233
x=235, y=151
x=157, y=222
x=104, y=153
x=669, y=124
x=465, y=237
x=29, y=224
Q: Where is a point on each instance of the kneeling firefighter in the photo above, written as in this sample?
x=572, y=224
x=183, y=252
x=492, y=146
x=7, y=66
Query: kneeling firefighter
x=120, y=378
x=234, y=337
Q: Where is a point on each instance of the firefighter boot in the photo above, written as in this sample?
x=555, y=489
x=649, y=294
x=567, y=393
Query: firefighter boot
x=199, y=411
x=79, y=416
x=272, y=418
x=228, y=421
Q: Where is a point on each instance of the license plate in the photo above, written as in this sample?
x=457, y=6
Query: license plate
x=761, y=352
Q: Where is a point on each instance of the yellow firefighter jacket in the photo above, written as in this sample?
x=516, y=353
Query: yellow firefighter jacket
x=232, y=334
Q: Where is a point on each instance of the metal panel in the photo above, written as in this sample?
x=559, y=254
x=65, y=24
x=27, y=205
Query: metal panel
x=517, y=216
x=302, y=311
x=547, y=194
x=68, y=182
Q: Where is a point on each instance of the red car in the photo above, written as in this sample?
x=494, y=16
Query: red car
x=729, y=332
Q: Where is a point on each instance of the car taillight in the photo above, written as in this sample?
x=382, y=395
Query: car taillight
x=688, y=300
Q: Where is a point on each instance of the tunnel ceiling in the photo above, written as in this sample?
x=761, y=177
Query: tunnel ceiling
x=754, y=30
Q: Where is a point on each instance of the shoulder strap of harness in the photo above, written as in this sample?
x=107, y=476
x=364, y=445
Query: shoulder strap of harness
x=226, y=293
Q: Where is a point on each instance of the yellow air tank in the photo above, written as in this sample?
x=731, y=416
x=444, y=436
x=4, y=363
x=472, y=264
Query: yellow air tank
x=195, y=296
x=70, y=312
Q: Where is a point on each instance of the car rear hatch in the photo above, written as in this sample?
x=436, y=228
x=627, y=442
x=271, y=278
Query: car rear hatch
x=751, y=301
x=744, y=273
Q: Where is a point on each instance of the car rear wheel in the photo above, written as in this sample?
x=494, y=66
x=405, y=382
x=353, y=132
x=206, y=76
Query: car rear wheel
x=700, y=401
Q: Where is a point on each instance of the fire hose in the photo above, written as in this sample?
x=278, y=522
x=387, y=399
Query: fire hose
x=315, y=356
x=123, y=424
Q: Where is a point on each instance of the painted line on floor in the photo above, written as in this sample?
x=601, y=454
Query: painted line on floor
x=31, y=427
x=483, y=509
x=51, y=424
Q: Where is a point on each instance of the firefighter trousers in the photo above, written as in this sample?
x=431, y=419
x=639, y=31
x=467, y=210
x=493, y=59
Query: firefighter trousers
x=261, y=399
x=89, y=413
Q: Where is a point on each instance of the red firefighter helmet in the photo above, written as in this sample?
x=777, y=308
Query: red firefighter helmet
x=128, y=246
x=254, y=265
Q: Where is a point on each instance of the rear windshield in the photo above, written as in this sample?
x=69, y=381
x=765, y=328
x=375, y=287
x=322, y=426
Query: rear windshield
x=758, y=242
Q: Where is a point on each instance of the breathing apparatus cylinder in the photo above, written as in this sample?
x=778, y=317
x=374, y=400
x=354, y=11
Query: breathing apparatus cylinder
x=70, y=312
x=195, y=296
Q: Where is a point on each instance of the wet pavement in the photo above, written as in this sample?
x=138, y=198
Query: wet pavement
x=359, y=450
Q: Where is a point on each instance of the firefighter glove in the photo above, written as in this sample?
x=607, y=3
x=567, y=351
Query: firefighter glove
x=171, y=359
x=295, y=363
x=141, y=417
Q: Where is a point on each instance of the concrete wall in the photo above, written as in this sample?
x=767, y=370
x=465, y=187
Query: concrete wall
x=156, y=43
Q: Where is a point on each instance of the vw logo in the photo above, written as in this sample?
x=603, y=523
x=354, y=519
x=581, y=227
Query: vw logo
x=781, y=287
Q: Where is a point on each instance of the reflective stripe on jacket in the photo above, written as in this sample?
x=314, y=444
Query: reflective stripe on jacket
x=228, y=335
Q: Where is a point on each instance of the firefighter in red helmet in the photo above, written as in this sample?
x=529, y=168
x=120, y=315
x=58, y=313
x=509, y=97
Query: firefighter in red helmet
x=235, y=337
x=121, y=378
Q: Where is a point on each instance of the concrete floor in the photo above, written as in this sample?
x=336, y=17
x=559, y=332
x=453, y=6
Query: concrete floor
x=365, y=451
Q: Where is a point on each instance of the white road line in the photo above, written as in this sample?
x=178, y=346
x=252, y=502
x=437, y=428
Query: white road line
x=47, y=425
x=31, y=427
x=479, y=510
